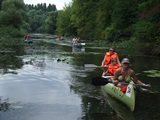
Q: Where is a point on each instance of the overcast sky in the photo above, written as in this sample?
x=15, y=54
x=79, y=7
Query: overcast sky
x=59, y=3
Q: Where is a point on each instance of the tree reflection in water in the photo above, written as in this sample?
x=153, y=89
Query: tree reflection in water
x=4, y=105
x=9, y=63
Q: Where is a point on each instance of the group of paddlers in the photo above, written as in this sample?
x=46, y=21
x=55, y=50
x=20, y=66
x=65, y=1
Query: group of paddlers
x=27, y=39
x=75, y=40
x=119, y=71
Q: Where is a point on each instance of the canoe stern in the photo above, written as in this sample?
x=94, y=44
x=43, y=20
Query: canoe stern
x=128, y=98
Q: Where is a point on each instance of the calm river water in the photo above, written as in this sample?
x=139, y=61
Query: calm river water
x=51, y=83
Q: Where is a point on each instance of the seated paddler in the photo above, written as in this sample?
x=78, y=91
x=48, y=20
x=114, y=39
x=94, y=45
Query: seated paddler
x=112, y=67
x=126, y=74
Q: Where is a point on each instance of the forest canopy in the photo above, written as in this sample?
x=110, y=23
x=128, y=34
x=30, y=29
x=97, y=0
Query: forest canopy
x=113, y=21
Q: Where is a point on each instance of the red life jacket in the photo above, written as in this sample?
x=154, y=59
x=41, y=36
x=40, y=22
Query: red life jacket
x=112, y=68
x=108, y=57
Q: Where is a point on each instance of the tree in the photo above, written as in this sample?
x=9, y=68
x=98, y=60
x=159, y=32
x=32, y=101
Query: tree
x=13, y=14
x=83, y=17
x=103, y=19
x=50, y=22
x=40, y=17
x=64, y=25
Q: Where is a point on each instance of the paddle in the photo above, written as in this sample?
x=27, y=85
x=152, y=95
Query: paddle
x=100, y=81
x=146, y=90
x=83, y=43
x=93, y=66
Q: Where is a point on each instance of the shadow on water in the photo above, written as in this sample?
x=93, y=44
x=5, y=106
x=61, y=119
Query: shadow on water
x=9, y=63
x=77, y=50
x=147, y=105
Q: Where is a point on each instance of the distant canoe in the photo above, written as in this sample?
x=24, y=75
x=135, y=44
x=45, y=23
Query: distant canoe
x=28, y=41
x=78, y=45
x=62, y=39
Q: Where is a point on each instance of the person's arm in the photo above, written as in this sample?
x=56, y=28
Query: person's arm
x=106, y=72
x=116, y=74
x=104, y=67
x=133, y=77
x=118, y=61
x=135, y=80
x=102, y=64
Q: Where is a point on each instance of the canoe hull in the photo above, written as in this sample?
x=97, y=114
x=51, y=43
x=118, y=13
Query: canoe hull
x=77, y=45
x=28, y=41
x=128, y=98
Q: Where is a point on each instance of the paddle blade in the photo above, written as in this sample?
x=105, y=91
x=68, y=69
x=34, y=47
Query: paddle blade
x=93, y=66
x=99, y=81
x=83, y=43
x=145, y=90
x=90, y=66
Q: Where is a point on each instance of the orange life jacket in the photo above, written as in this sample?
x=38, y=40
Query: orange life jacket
x=108, y=57
x=112, y=68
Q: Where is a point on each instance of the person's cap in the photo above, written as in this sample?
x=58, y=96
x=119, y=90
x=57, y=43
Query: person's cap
x=125, y=60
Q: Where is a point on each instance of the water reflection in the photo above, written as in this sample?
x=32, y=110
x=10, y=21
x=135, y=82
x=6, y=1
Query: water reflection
x=52, y=83
x=147, y=107
x=41, y=87
x=39, y=64
x=77, y=50
x=119, y=108
x=9, y=63
x=4, y=104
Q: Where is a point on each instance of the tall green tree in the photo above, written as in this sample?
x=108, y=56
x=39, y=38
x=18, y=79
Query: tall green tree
x=50, y=22
x=147, y=28
x=103, y=18
x=13, y=15
x=41, y=19
x=83, y=17
x=37, y=20
x=51, y=7
x=123, y=16
x=64, y=25
x=114, y=21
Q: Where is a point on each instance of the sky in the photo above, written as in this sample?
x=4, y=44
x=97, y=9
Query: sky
x=59, y=3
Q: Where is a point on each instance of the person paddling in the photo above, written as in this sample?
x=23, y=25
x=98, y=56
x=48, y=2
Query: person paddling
x=27, y=37
x=108, y=56
x=126, y=74
x=112, y=67
x=74, y=40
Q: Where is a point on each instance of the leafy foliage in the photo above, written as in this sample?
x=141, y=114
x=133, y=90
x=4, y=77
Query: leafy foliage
x=50, y=22
x=42, y=18
x=12, y=17
x=64, y=24
x=116, y=21
x=144, y=31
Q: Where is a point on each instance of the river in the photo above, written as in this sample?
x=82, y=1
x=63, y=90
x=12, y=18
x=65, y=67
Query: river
x=50, y=82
